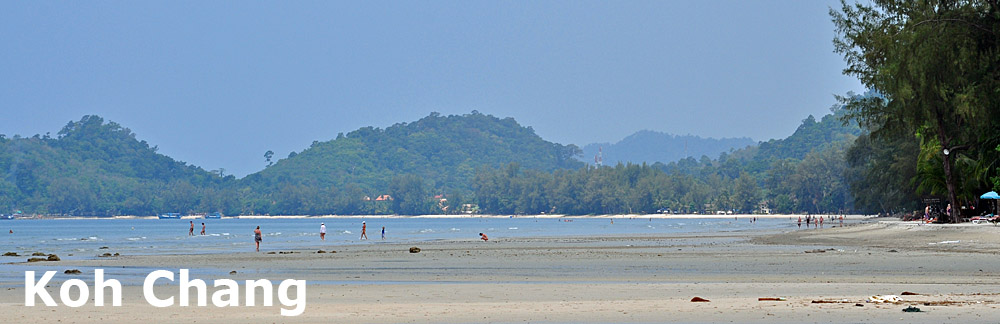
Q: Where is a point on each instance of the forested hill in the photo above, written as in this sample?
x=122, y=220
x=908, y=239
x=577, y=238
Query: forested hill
x=806, y=172
x=434, y=165
x=443, y=151
x=651, y=147
x=811, y=135
x=93, y=168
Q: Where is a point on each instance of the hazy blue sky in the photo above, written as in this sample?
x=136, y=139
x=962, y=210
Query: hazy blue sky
x=216, y=84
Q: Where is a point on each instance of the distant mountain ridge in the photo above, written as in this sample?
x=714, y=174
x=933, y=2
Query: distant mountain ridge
x=651, y=147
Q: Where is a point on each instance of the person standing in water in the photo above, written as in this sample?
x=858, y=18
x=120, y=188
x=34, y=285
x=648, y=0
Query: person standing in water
x=383, y=232
x=322, y=231
x=191, y=230
x=364, y=226
x=202, y=228
x=257, y=238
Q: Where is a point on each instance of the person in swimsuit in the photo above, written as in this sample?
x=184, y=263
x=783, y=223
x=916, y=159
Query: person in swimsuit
x=256, y=237
x=202, y=228
x=363, y=227
x=483, y=237
x=191, y=231
x=322, y=231
x=383, y=232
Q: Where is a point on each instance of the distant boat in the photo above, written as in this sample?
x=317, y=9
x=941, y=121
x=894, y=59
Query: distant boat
x=215, y=215
x=6, y=217
x=170, y=216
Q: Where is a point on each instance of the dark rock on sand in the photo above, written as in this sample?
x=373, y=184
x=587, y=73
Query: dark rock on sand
x=414, y=250
x=73, y=271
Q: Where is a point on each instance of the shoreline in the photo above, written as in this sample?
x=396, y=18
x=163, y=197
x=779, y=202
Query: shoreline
x=473, y=216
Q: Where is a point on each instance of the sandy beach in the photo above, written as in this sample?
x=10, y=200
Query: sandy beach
x=824, y=275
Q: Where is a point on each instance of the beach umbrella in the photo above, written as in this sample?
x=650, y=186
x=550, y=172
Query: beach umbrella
x=990, y=195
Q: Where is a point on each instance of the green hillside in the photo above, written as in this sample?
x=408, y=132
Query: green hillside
x=805, y=172
x=99, y=168
x=96, y=168
x=443, y=150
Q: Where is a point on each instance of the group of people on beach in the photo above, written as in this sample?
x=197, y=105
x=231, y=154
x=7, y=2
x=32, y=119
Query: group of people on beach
x=191, y=230
x=817, y=221
x=364, y=231
x=322, y=233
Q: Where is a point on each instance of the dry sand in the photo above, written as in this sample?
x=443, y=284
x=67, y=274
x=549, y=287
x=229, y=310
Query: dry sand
x=644, y=279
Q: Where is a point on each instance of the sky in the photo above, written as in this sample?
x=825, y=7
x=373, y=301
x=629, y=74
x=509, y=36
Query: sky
x=218, y=83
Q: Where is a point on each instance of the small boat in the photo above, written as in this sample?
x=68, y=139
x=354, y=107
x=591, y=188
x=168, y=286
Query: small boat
x=215, y=215
x=170, y=216
x=6, y=217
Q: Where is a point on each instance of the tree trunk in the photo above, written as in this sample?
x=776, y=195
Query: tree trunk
x=949, y=179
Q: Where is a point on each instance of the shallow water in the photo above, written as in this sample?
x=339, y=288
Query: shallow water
x=84, y=238
x=74, y=239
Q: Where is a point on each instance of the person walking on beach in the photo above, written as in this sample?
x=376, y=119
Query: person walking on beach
x=322, y=231
x=191, y=230
x=383, y=232
x=256, y=237
x=363, y=228
x=202, y=228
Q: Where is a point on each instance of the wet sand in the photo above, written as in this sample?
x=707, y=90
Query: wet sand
x=593, y=280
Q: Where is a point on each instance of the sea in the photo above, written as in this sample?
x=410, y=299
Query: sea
x=88, y=238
